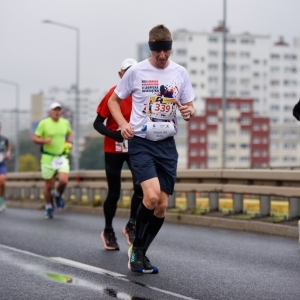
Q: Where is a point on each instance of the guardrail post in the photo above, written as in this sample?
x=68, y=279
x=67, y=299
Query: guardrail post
x=91, y=195
x=293, y=208
x=103, y=194
x=265, y=205
x=67, y=193
x=191, y=200
x=77, y=192
x=36, y=193
x=213, y=201
x=237, y=205
x=26, y=193
x=8, y=193
x=172, y=200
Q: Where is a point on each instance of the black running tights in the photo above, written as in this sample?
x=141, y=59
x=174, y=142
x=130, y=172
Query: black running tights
x=113, y=167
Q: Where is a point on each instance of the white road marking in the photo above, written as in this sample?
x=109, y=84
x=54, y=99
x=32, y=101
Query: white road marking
x=82, y=266
x=97, y=270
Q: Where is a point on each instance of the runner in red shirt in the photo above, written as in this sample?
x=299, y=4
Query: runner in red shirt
x=116, y=153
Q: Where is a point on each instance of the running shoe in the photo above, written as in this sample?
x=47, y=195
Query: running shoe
x=148, y=267
x=135, y=262
x=109, y=240
x=58, y=200
x=129, y=232
x=49, y=212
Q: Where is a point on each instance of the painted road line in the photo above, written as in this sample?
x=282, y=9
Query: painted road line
x=97, y=270
x=85, y=267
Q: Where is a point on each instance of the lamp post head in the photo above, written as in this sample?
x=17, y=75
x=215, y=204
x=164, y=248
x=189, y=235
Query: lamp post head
x=46, y=21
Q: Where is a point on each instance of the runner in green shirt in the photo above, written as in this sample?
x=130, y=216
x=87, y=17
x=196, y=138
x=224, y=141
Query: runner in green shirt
x=54, y=134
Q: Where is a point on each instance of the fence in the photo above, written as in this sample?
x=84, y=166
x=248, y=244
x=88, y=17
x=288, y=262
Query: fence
x=264, y=184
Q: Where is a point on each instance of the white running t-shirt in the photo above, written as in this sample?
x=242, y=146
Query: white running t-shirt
x=154, y=92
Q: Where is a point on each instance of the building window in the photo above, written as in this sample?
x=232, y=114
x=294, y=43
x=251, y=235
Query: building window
x=193, y=139
x=256, y=127
x=244, y=68
x=255, y=153
x=213, y=159
x=193, y=152
x=245, y=81
x=202, y=126
x=212, y=106
x=231, y=146
x=290, y=56
x=245, y=107
x=230, y=67
x=213, y=67
x=275, y=146
x=245, y=121
x=193, y=165
x=212, y=146
x=202, y=139
x=274, y=82
x=275, y=134
x=274, y=159
x=213, y=39
x=245, y=132
x=290, y=70
x=290, y=82
x=275, y=69
x=213, y=53
x=275, y=56
x=230, y=54
x=247, y=41
x=244, y=146
x=181, y=52
x=193, y=125
x=256, y=140
x=193, y=72
x=202, y=152
x=193, y=58
x=232, y=106
x=231, y=158
x=275, y=95
x=244, y=159
x=245, y=54
x=213, y=80
x=274, y=107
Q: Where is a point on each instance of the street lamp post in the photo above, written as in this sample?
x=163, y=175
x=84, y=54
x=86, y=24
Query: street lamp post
x=16, y=85
x=77, y=106
x=224, y=90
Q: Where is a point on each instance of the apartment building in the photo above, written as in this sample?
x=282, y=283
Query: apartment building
x=247, y=136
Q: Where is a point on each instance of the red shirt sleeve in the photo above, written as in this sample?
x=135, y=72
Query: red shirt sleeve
x=102, y=108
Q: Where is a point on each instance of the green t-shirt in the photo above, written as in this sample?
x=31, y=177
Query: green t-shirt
x=57, y=131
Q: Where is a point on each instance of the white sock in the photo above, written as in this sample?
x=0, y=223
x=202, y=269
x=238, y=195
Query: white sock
x=48, y=206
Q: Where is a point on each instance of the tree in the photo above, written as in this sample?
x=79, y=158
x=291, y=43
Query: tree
x=28, y=163
x=92, y=157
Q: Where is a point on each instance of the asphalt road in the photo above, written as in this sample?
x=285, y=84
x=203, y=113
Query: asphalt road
x=194, y=262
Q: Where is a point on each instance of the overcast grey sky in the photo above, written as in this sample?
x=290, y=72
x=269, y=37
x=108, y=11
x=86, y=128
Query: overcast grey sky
x=39, y=56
